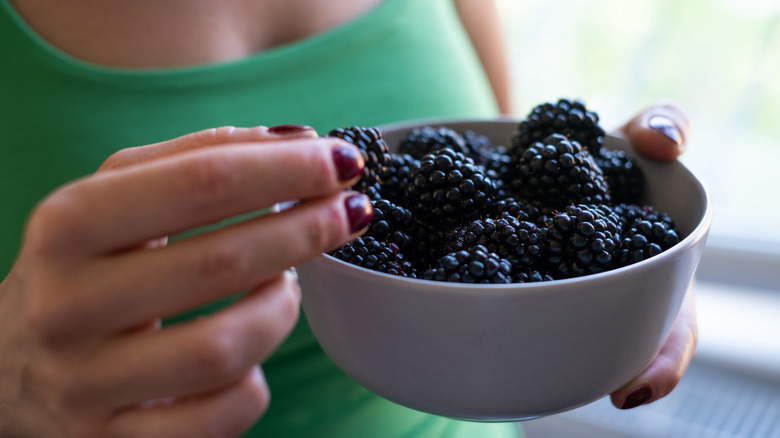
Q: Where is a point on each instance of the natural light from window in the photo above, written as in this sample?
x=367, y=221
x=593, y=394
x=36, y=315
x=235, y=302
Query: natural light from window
x=719, y=59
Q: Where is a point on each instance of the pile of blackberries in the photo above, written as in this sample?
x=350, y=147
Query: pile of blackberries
x=553, y=204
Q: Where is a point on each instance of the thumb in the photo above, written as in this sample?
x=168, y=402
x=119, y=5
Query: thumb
x=659, y=132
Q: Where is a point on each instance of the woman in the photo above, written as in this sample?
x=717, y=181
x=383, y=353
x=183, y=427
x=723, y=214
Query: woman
x=89, y=274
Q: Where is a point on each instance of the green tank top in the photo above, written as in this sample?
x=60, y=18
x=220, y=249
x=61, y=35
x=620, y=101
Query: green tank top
x=60, y=117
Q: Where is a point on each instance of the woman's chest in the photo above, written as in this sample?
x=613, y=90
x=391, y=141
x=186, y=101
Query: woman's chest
x=169, y=33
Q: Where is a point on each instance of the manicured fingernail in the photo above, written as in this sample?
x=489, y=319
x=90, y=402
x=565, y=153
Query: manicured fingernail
x=638, y=397
x=348, y=162
x=665, y=126
x=288, y=129
x=360, y=211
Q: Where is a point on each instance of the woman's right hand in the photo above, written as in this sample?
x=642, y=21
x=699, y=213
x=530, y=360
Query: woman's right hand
x=82, y=352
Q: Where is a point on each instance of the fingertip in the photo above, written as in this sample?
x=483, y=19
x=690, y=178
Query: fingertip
x=637, y=396
x=660, y=132
x=360, y=212
x=293, y=131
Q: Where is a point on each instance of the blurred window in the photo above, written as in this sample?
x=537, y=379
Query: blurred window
x=719, y=59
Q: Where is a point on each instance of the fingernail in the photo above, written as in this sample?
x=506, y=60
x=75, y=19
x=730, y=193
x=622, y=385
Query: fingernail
x=348, y=162
x=359, y=211
x=665, y=126
x=638, y=397
x=288, y=129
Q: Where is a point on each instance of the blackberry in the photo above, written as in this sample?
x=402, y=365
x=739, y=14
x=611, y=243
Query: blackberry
x=400, y=171
x=559, y=172
x=375, y=154
x=477, y=144
x=474, y=265
x=570, y=118
x=521, y=209
x=391, y=222
x=448, y=189
x=630, y=214
x=377, y=255
x=520, y=242
x=530, y=276
x=426, y=245
x=646, y=239
x=424, y=140
x=624, y=177
x=581, y=240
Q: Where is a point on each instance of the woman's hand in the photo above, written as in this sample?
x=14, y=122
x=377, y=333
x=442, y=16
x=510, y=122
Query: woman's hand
x=659, y=132
x=83, y=353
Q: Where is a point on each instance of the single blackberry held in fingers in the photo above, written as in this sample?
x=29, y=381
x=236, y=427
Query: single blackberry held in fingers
x=376, y=155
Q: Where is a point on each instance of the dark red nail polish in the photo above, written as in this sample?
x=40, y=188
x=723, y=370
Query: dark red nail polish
x=665, y=126
x=348, y=162
x=360, y=211
x=638, y=397
x=288, y=129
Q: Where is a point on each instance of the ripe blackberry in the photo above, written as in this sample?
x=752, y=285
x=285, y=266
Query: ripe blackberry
x=520, y=242
x=522, y=210
x=375, y=154
x=377, y=255
x=624, y=177
x=559, y=172
x=581, y=240
x=474, y=265
x=530, y=276
x=399, y=174
x=424, y=140
x=570, y=118
x=391, y=222
x=448, y=189
x=426, y=245
x=630, y=214
x=477, y=144
x=646, y=239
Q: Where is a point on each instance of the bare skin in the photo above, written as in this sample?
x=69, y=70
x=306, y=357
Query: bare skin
x=71, y=340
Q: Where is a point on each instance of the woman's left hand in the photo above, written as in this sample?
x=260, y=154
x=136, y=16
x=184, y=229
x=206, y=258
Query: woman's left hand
x=660, y=132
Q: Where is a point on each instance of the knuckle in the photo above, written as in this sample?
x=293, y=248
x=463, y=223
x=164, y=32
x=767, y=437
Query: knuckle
x=214, y=135
x=321, y=173
x=60, y=384
x=216, y=357
x=224, y=260
x=120, y=158
x=52, y=222
x=46, y=319
x=323, y=229
x=212, y=178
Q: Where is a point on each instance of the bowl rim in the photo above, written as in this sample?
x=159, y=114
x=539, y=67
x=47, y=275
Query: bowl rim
x=698, y=232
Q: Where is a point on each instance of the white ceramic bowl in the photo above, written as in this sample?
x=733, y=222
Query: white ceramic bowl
x=515, y=351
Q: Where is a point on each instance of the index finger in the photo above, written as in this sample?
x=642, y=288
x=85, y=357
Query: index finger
x=116, y=210
x=205, y=138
